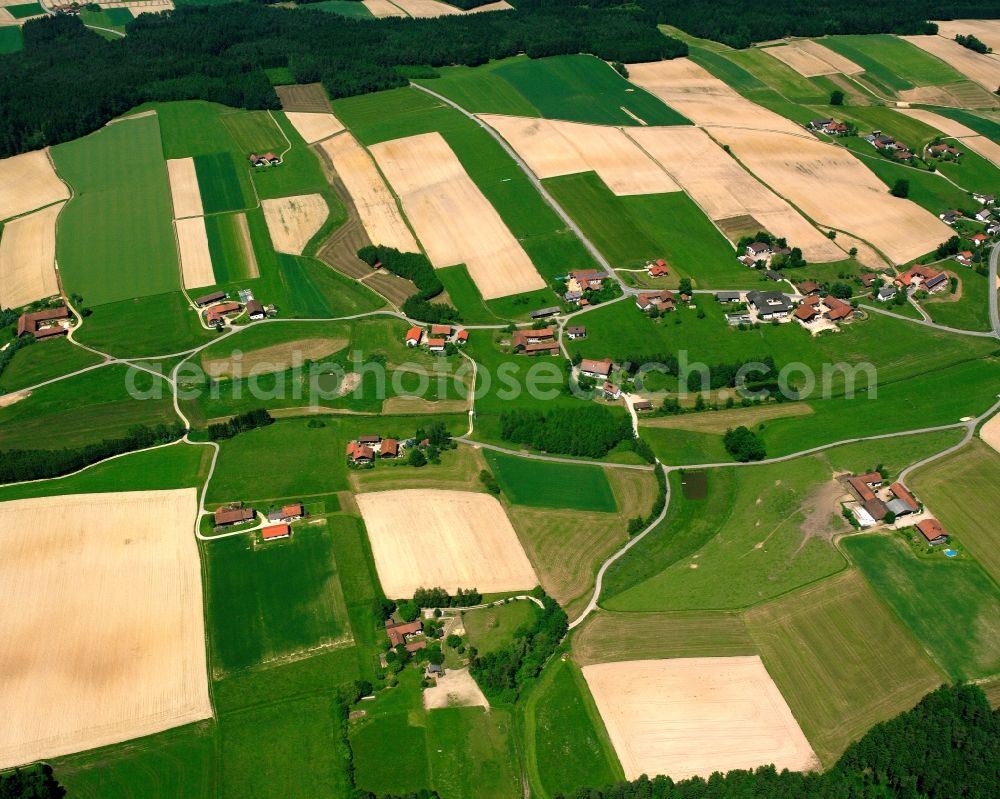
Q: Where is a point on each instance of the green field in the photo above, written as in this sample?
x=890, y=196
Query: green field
x=841, y=661
x=464, y=295
x=25, y=10
x=84, y=409
x=489, y=629
x=951, y=606
x=582, y=88
x=274, y=600
x=972, y=311
x=891, y=62
x=927, y=189
x=115, y=239
x=567, y=745
x=11, y=39
x=989, y=128
x=397, y=113
x=225, y=243
x=480, y=90
x=112, y=18
x=33, y=364
x=218, y=184
x=346, y=8
x=552, y=485
x=629, y=231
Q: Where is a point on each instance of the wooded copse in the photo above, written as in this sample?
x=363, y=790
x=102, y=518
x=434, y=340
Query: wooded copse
x=590, y=431
x=948, y=746
x=415, y=267
x=259, y=417
x=219, y=53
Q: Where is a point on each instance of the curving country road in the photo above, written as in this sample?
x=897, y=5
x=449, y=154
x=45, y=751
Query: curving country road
x=994, y=312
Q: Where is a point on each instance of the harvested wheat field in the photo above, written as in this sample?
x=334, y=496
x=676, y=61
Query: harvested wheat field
x=810, y=59
x=453, y=539
x=969, y=139
x=553, y=148
x=28, y=181
x=383, y=8
x=836, y=189
x=275, y=358
x=693, y=716
x=196, y=259
x=101, y=621
x=184, y=189
x=424, y=9
x=703, y=98
x=293, y=221
x=984, y=69
x=314, y=127
x=28, y=258
x=455, y=222
x=380, y=215
x=138, y=7
x=723, y=189
x=308, y=97
x=986, y=30
x=990, y=432
x=455, y=688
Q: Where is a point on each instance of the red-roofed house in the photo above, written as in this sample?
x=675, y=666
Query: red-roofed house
x=399, y=633
x=413, y=336
x=865, y=485
x=838, y=308
x=359, y=453
x=389, y=448
x=664, y=300
x=805, y=313
x=899, y=492
x=596, y=369
x=436, y=344
x=276, y=531
x=461, y=336
x=979, y=239
x=932, y=531
x=43, y=324
x=659, y=269
x=440, y=330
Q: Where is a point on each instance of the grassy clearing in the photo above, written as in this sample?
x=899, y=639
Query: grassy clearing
x=972, y=172
x=84, y=409
x=582, y=88
x=778, y=75
x=481, y=90
x=35, y=364
x=115, y=239
x=629, y=231
x=607, y=637
x=544, y=484
x=345, y=8
x=960, y=626
x=276, y=600
x=113, y=18
x=567, y=745
x=25, y=10
x=753, y=537
x=972, y=311
x=394, y=114
x=963, y=489
x=11, y=39
x=838, y=636
x=490, y=628
x=891, y=62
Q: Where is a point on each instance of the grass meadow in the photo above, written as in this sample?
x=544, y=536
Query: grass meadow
x=972, y=311
x=582, y=88
x=552, y=485
x=11, y=39
x=629, y=231
x=115, y=239
x=989, y=128
x=398, y=113
x=230, y=259
x=567, y=745
x=892, y=63
x=35, y=364
x=481, y=90
x=489, y=629
x=345, y=8
x=963, y=489
x=959, y=626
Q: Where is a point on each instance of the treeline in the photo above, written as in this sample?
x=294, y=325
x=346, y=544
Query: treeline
x=947, y=747
x=415, y=267
x=17, y=465
x=219, y=53
x=31, y=782
x=719, y=375
x=972, y=43
x=259, y=417
x=590, y=431
x=503, y=673
x=440, y=598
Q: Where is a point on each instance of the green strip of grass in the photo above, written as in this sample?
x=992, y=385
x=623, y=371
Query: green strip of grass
x=480, y=90
x=345, y=8
x=893, y=62
x=542, y=484
x=25, y=10
x=220, y=188
x=42, y=361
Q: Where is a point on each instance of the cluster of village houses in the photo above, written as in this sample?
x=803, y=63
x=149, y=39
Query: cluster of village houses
x=363, y=450
x=581, y=281
x=875, y=503
x=986, y=215
x=217, y=309
x=265, y=160
x=279, y=520
x=436, y=338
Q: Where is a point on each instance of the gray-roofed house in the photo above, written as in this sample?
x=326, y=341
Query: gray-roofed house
x=898, y=508
x=728, y=296
x=541, y=313
x=770, y=304
x=886, y=293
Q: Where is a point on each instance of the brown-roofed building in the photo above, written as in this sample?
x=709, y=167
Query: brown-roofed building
x=216, y=314
x=838, y=308
x=876, y=508
x=369, y=439
x=642, y=405
x=805, y=313
x=542, y=348
x=578, y=331
x=43, y=324
x=276, y=531
x=868, y=280
x=389, y=448
x=664, y=300
x=522, y=339
x=865, y=485
x=932, y=531
x=596, y=369
x=899, y=492
x=398, y=633
x=808, y=287
x=208, y=299
x=224, y=517
x=255, y=309
x=611, y=391
x=359, y=453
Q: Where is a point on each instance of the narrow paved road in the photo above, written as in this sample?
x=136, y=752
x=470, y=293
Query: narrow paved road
x=994, y=312
x=970, y=431
x=955, y=330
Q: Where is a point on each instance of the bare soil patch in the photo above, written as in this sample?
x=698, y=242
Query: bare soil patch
x=184, y=189
x=454, y=221
x=703, y=98
x=810, y=59
x=293, y=221
x=453, y=539
x=196, y=259
x=376, y=206
x=552, y=148
x=984, y=69
x=6, y=400
x=28, y=181
x=115, y=580
x=275, y=358
x=28, y=257
x=836, y=189
x=314, y=127
x=394, y=288
x=823, y=518
x=456, y=688
x=723, y=189
x=693, y=716
x=305, y=97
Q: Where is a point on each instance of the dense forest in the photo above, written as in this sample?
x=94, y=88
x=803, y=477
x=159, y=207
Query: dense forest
x=590, y=431
x=32, y=782
x=947, y=747
x=68, y=81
